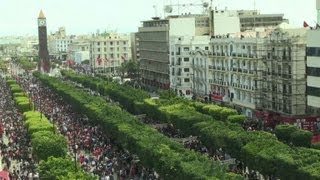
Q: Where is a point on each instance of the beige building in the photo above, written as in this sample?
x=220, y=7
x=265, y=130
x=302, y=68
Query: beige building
x=108, y=52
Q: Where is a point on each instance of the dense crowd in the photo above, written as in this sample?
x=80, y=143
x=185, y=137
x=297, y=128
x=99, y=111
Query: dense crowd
x=16, y=152
x=97, y=152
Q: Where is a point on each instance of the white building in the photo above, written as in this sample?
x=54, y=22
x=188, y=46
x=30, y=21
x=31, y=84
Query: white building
x=188, y=70
x=260, y=71
x=225, y=22
x=79, y=50
x=59, y=44
x=313, y=70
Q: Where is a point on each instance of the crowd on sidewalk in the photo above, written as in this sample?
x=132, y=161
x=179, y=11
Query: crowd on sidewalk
x=16, y=152
x=97, y=152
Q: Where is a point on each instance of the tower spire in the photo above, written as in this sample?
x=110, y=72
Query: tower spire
x=41, y=15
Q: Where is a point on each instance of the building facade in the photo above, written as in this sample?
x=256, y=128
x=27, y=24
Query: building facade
x=188, y=72
x=59, y=44
x=262, y=76
x=313, y=71
x=79, y=50
x=153, y=45
x=153, y=51
x=251, y=19
x=108, y=52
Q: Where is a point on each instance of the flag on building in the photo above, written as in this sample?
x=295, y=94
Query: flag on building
x=305, y=24
x=99, y=60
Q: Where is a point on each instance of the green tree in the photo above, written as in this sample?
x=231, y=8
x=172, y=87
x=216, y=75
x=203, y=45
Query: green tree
x=61, y=168
x=46, y=144
x=283, y=132
x=129, y=69
x=301, y=138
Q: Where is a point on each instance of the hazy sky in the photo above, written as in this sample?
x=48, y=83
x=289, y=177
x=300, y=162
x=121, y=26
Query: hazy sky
x=19, y=17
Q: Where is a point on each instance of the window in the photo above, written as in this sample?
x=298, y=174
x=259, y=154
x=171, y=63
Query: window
x=313, y=51
x=111, y=49
x=98, y=43
x=105, y=43
x=118, y=49
x=206, y=48
x=105, y=49
x=312, y=71
x=186, y=69
x=313, y=91
x=118, y=43
x=188, y=92
x=111, y=55
x=124, y=42
x=124, y=48
x=186, y=59
x=98, y=49
x=118, y=55
x=111, y=43
x=186, y=49
x=186, y=80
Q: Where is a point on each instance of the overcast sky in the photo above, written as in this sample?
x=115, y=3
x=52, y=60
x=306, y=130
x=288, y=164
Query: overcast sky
x=19, y=17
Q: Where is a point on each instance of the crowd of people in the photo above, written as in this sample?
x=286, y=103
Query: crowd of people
x=194, y=143
x=97, y=152
x=16, y=152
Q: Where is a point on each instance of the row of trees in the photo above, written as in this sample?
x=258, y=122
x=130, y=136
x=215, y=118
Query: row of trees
x=155, y=150
x=291, y=134
x=217, y=129
x=47, y=146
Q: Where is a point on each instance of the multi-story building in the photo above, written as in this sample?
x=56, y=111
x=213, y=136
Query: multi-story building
x=79, y=50
x=108, y=52
x=153, y=37
x=251, y=19
x=261, y=72
x=153, y=50
x=59, y=44
x=313, y=71
x=188, y=72
x=233, y=70
x=153, y=45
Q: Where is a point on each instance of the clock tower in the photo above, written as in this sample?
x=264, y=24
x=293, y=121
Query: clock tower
x=44, y=62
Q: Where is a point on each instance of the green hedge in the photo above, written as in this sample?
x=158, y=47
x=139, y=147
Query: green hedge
x=44, y=142
x=291, y=134
x=61, y=168
x=126, y=95
x=256, y=149
x=169, y=158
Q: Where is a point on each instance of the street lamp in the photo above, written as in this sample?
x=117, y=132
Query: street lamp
x=74, y=146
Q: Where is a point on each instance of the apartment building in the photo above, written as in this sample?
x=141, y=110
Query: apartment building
x=260, y=71
x=188, y=67
x=313, y=71
x=58, y=44
x=107, y=52
x=153, y=45
x=251, y=19
x=79, y=50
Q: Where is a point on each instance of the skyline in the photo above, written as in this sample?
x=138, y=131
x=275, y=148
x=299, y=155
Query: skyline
x=83, y=17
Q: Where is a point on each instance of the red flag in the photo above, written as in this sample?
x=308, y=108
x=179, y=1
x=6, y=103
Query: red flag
x=99, y=60
x=305, y=24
